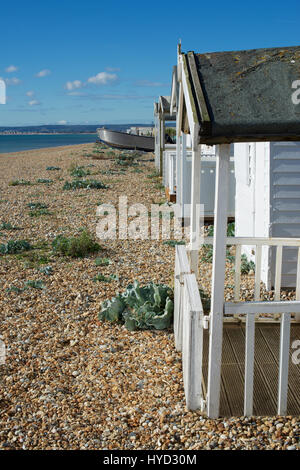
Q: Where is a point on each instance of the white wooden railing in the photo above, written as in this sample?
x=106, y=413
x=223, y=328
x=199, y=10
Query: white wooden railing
x=251, y=310
x=189, y=321
x=279, y=243
x=188, y=329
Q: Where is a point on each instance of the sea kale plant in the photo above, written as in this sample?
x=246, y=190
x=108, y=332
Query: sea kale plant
x=147, y=307
x=84, y=184
x=14, y=246
x=76, y=247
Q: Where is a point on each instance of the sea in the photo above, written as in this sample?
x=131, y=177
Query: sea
x=18, y=143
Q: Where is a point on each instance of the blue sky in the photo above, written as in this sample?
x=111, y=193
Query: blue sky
x=106, y=62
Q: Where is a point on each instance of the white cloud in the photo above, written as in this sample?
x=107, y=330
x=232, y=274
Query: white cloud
x=102, y=78
x=34, y=102
x=12, y=81
x=11, y=68
x=43, y=73
x=30, y=93
x=73, y=85
x=62, y=122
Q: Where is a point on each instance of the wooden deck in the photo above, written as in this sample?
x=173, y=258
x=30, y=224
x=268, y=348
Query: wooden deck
x=265, y=370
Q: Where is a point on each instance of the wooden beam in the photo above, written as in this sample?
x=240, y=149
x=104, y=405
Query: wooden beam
x=249, y=365
x=284, y=363
x=199, y=96
x=241, y=308
x=195, y=204
x=192, y=343
x=218, y=279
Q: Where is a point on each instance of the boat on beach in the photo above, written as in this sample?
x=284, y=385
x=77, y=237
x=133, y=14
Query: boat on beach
x=122, y=140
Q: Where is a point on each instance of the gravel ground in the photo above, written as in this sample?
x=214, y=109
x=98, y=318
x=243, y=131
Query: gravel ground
x=70, y=381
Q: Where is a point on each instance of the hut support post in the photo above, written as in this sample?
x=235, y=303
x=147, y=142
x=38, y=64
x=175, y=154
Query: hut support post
x=218, y=279
x=195, y=203
x=183, y=174
x=179, y=176
x=162, y=142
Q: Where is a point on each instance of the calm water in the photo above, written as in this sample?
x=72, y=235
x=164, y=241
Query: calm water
x=17, y=143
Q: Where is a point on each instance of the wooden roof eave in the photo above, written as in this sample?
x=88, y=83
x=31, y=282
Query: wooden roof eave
x=203, y=114
x=186, y=125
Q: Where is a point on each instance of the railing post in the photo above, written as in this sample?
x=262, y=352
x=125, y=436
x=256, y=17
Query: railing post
x=182, y=268
x=192, y=343
x=297, y=315
x=237, y=274
x=195, y=208
x=284, y=363
x=249, y=365
x=218, y=277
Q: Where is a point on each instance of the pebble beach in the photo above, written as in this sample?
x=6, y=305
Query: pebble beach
x=70, y=381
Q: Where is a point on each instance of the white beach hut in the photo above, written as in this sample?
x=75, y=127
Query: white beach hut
x=268, y=202
x=182, y=169
x=224, y=98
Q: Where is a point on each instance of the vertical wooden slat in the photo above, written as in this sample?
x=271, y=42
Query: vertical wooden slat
x=278, y=268
x=195, y=208
x=237, y=274
x=181, y=268
x=192, y=343
x=249, y=365
x=162, y=143
x=179, y=191
x=297, y=315
x=177, y=302
x=183, y=176
x=257, y=272
x=284, y=363
x=218, y=277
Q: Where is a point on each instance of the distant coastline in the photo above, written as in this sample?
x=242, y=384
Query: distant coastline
x=11, y=143
x=45, y=133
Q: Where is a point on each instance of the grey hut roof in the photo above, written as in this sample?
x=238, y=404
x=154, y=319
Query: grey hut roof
x=174, y=91
x=245, y=95
x=164, y=106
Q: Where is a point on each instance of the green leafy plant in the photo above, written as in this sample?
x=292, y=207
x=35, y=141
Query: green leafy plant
x=53, y=168
x=8, y=226
x=15, y=246
x=154, y=174
x=38, y=209
x=15, y=289
x=79, y=171
x=39, y=212
x=246, y=266
x=84, y=184
x=174, y=242
x=34, y=258
x=76, y=247
x=146, y=307
x=102, y=278
x=44, y=181
x=102, y=261
x=35, y=284
x=20, y=182
x=230, y=230
x=47, y=270
x=205, y=300
x=37, y=205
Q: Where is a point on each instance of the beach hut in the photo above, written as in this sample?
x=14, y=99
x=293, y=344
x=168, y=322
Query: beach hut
x=161, y=117
x=182, y=170
x=223, y=98
x=268, y=202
